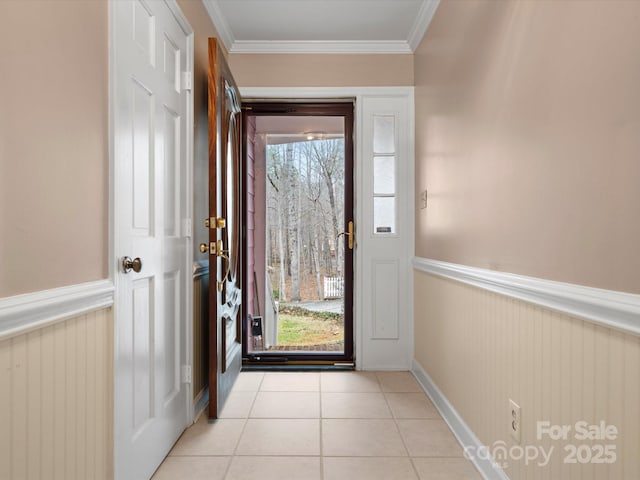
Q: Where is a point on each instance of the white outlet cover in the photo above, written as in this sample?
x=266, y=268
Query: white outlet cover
x=515, y=420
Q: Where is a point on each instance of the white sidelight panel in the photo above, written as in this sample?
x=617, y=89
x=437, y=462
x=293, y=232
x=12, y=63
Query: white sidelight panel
x=385, y=234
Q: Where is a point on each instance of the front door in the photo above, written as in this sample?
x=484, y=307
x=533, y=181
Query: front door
x=225, y=346
x=299, y=233
x=150, y=165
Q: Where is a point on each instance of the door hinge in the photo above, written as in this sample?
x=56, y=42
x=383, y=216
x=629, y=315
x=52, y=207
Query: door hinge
x=187, y=376
x=187, y=81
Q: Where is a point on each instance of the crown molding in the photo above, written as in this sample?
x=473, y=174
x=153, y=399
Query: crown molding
x=339, y=47
x=220, y=23
x=395, y=47
x=423, y=20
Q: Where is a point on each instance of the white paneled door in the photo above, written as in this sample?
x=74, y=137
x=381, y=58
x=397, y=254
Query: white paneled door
x=150, y=43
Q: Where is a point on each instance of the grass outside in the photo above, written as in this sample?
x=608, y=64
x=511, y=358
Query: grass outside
x=300, y=327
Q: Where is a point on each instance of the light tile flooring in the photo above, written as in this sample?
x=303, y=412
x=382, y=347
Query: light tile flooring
x=321, y=426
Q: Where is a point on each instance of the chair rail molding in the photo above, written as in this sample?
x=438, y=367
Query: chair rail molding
x=23, y=313
x=612, y=309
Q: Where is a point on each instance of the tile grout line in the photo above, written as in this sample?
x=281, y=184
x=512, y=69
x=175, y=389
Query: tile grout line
x=402, y=439
x=244, y=426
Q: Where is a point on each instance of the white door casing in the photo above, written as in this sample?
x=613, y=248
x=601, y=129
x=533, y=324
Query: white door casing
x=383, y=280
x=151, y=46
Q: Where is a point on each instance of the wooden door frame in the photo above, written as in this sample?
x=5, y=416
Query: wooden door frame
x=342, y=107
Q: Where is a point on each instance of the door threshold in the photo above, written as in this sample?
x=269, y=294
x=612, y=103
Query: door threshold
x=299, y=366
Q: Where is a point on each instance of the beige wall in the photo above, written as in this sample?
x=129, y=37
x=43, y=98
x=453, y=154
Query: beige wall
x=54, y=140
x=56, y=407
x=53, y=144
x=316, y=70
x=482, y=348
x=528, y=139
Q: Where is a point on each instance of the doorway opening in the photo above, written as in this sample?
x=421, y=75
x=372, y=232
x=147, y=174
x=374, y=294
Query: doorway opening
x=299, y=233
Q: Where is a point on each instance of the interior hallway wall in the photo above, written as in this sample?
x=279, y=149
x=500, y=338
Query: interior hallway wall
x=203, y=29
x=56, y=401
x=56, y=408
x=53, y=144
x=528, y=139
x=321, y=70
x=482, y=349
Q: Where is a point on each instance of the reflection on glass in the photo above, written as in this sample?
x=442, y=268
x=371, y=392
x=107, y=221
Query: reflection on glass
x=384, y=215
x=384, y=175
x=384, y=134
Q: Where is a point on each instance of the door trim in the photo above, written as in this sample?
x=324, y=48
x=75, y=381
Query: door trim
x=112, y=263
x=359, y=93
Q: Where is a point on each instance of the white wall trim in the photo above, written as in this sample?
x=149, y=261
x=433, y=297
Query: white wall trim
x=489, y=469
x=327, y=47
x=611, y=309
x=24, y=313
x=423, y=20
x=200, y=403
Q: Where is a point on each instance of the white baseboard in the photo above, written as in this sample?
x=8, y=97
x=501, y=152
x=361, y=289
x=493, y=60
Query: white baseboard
x=200, y=404
x=23, y=313
x=465, y=436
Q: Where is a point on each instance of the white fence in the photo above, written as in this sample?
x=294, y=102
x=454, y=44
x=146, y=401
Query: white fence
x=333, y=287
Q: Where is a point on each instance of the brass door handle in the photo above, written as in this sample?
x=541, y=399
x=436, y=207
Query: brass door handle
x=349, y=234
x=128, y=264
x=222, y=253
x=216, y=248
x=226, y=273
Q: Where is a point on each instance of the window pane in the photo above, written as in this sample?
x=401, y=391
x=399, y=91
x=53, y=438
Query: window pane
x=384, y=175
x=384, y=215
x=384, y=132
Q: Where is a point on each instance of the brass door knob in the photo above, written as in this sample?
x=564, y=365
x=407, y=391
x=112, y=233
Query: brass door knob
x=204, y=248
x=128, y=264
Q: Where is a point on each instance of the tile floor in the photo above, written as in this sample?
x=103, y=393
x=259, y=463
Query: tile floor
x=321, y=426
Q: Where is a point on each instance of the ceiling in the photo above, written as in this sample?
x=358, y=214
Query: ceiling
x=321, y=26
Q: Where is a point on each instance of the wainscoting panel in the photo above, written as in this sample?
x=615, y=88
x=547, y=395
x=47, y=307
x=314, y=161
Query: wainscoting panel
x=56, y=401
x=483, y=348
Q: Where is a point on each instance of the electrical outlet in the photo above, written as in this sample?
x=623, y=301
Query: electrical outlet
x=514, y=420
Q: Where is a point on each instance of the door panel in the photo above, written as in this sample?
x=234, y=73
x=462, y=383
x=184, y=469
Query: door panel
x=149, y=164
x=224, y=231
